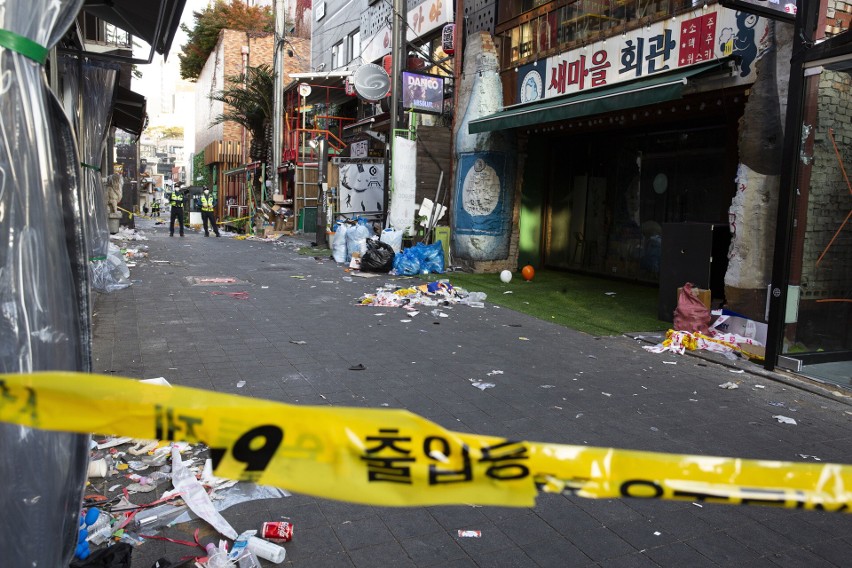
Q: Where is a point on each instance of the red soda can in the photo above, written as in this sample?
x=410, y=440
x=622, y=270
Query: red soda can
x=280, y=531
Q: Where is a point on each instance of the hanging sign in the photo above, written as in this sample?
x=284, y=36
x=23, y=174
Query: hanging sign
x=422, y=93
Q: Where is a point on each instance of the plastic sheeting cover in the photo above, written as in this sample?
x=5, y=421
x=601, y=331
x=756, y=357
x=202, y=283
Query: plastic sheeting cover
x=43, y=473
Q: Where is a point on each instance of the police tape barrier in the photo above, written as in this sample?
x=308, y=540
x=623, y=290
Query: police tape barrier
x=394, y=457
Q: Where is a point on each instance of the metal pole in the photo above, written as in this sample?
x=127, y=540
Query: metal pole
x=322, y=171
x=278, y=95
x=398, y=57
x=806, y=23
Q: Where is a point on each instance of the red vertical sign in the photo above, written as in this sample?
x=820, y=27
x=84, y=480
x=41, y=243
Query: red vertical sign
x=696, y=40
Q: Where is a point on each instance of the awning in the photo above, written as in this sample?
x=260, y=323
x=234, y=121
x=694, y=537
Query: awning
x=642, y=92
x=325, y=87
x=155, y=21
x=129, y=111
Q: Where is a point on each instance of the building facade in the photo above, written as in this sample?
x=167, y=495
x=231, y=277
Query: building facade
x=644, y=141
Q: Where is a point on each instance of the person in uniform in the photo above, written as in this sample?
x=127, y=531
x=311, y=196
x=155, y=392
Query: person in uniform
x=207, y=213
x=176, y=201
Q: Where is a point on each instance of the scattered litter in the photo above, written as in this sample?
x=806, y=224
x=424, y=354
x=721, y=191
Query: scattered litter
x=481, y=385
x=365, y=274
x=264, y=287
x=494, y=372
x=609, y=293
x=738, y=371
x=507, y=292
x=606, y=393
x=440, y=314
x=760, y=386
x=657, y=533
x=591, y=356
x=114, y=487
x=379, y=314
x=161, y=261
x=781, y=404
x=805, y=457
x=439, y=293
x=579, y=414
x=547, y=386
x=558, y=407
x=784, y=419
x=728, y=344
x=298, y=342
x=405, y=321
x=654, y=429
x=112, y=442
x=241, y=384
x=693, y=400
x=358, y=367
x=524, y=338
x=729, y=385
x=300, y=277
x=699, y=505
x=470, y=534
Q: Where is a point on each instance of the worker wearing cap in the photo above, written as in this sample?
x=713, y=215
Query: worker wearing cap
x=207, y=212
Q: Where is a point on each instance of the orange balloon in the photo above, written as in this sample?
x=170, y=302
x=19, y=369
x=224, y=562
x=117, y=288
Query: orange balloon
x=528, y=272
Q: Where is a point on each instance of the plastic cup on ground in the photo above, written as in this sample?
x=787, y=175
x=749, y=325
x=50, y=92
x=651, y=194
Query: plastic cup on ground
x=98, y=468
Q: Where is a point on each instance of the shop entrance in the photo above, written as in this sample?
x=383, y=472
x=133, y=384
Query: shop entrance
x=609, y=194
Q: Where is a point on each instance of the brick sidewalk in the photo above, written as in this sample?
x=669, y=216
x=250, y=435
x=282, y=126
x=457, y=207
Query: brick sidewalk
x=166, y=325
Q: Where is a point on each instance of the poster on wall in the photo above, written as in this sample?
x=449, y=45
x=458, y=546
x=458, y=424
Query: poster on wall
x=402, y=206
x=362, y=187
x=481, y=194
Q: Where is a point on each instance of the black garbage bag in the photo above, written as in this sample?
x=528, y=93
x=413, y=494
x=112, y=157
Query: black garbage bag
x=378, y=257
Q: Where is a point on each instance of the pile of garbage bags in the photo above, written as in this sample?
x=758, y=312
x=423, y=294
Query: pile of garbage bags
x=385, y=253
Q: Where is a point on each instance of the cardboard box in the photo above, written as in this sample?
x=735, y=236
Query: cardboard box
x=702, y=294
x=732, y=322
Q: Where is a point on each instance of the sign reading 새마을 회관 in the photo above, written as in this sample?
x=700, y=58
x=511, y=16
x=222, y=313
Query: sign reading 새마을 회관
x=422, y=93
x=695, y=37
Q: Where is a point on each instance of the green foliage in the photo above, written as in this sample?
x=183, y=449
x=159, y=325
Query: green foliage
x=200, y=169
x=165, y=132
x=249, y=104
x=571, y=300
x=210, y=21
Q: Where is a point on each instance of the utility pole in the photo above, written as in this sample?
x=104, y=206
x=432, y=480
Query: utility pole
x=278, y=95
x=399, y=55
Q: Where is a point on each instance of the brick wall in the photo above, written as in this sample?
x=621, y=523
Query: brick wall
x=829, y=199
x=226, y=61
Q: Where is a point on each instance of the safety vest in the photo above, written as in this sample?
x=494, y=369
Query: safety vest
x=155, y=206
x=176, y=199
x=207, y=203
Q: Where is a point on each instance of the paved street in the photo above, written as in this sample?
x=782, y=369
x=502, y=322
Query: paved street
x=606, y=392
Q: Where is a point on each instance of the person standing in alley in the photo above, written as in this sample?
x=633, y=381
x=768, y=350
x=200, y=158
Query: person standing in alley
x=207, y=213
x=155, y=208
x=176, y=201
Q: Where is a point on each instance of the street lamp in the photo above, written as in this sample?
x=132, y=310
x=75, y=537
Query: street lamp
x=321, y=145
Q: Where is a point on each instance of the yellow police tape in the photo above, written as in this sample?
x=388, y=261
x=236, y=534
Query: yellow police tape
x=394, y=457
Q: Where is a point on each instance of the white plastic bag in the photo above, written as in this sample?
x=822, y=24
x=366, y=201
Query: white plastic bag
x=338, y=245
x=393, y=238
x=356, y=240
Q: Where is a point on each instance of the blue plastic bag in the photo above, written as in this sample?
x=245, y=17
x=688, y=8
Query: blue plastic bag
x=420, y=259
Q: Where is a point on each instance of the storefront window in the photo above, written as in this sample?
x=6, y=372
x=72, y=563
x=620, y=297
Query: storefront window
x=819, y=308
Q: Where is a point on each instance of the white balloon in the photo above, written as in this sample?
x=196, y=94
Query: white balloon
x=506, y=276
